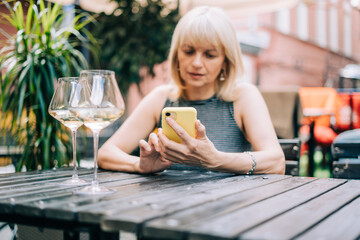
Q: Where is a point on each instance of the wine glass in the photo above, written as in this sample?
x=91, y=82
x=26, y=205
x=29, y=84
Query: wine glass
x=98, y=104
x=59, y=109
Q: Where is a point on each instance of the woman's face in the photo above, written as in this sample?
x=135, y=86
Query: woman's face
x=200, y=65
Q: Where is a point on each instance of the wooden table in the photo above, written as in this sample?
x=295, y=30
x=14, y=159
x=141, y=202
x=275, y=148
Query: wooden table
x=186, y=205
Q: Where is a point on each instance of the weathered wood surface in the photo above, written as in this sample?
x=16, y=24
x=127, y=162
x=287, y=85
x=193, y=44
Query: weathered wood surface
x=188, y=205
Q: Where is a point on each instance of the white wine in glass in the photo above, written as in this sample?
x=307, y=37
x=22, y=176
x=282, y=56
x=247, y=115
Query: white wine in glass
x=98, y=104
x=59, y=109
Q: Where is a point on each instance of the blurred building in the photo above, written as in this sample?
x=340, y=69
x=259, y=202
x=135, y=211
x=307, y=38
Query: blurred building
x=284, y=42
x=301, y=43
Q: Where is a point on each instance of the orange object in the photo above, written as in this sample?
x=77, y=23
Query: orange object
x=356, y=109
x=323, y=103
x=326, y=99
x=320, y=105
x=349, y=112
x=343, y=115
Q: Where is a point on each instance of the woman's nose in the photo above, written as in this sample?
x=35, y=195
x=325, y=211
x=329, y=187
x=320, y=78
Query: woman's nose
x=197, y=61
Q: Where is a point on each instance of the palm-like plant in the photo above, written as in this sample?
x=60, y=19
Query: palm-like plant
x=41, y=51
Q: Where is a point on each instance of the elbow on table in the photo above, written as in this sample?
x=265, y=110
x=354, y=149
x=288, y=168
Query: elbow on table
x=277, y=164
x=279, y=167
x=102, y=159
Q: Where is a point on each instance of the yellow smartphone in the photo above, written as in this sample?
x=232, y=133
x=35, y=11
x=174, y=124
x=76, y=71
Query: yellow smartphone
x=184, y=116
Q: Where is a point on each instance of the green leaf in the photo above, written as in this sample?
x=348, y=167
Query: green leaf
x=54, y=13
x=19, y=15
x=21, y=102
x=47, y=147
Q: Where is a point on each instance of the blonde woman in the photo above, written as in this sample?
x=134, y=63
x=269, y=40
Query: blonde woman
x=234, y=132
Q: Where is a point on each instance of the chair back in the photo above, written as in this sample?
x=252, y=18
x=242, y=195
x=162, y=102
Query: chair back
x=291, y=149
x=285, y=110
x=346, y=155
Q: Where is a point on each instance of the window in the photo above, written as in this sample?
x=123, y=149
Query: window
x=347, y=28
x=283, y=21
x=321, y=23
x=333, y=27
x=302, y=21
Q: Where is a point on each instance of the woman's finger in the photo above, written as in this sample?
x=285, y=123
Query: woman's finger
x=144, y=146
x=154, y=141
x=200, y=130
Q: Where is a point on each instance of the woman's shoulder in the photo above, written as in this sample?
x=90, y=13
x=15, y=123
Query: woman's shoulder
x=245, y=86
x=154, y=101
x=162, y=89
x=244, y=89
x=160, y=93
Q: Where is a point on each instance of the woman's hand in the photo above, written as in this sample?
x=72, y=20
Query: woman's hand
x=199, y=152
x=151, y=160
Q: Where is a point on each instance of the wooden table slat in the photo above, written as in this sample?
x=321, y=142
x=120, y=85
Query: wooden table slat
x=33, y=178
x=129, y=220
x=174, y=226
x=65, y=202
x=345, y=221
x=65, y=210
x=301, y=218
x=16, y=192
x=103, y=178
x=17, y=175
x=148, y=197
x=43, y=194
x=231, y=225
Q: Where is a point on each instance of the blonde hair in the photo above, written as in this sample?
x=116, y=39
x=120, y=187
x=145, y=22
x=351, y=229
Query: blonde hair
x=209, y=24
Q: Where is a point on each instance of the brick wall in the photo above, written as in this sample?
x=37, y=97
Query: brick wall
x=290, y=61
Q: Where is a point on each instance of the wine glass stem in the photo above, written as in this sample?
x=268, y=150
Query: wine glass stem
x=73, y=136
x=96, y=143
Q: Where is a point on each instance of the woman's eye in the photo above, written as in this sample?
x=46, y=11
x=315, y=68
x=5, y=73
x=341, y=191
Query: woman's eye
x=209, y=55
x=188, y=52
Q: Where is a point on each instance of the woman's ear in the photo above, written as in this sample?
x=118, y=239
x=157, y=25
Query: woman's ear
x=224, y=65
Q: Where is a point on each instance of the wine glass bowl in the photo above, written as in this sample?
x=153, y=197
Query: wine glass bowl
x=98, y=104
x=59, y=108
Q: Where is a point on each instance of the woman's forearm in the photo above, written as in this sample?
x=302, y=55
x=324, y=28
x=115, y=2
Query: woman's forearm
x=272, y=162
x=113, y=158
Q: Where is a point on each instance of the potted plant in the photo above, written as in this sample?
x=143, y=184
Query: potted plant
x=41, y=51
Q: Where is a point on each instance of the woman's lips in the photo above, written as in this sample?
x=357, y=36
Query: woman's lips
x=196, y=75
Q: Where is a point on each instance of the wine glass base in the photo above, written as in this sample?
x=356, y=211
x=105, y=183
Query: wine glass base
x=95, y=190
x=74, y=182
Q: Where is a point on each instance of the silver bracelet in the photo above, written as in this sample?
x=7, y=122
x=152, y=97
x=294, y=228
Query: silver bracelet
x=254, y=163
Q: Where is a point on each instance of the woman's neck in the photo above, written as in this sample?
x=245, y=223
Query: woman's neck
x=194, y=94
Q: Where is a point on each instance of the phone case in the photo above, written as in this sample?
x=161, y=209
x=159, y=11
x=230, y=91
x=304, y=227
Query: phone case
x=184, y=116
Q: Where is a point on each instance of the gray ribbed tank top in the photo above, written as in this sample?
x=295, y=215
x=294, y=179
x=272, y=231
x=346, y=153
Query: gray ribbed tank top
x=218, y=118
